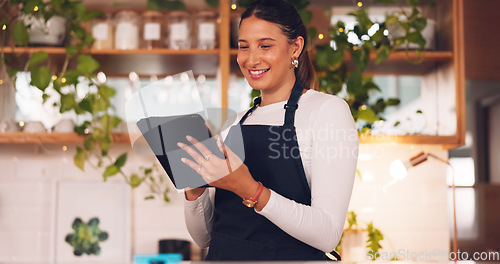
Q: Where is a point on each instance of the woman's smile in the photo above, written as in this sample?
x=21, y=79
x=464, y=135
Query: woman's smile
x=256, y=74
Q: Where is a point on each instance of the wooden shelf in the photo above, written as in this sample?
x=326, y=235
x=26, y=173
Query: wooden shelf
x=61, y=50
x=144, y=62
x=51, y=138
x=446, y=141
x=397, y=62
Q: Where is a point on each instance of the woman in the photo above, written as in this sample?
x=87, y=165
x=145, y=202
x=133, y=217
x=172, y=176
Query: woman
x=301, y=150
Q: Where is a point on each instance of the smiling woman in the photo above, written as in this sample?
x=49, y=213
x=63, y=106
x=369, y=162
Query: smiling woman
x=296, y=181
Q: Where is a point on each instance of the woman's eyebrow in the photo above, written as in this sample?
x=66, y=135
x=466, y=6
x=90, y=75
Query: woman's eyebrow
x=261, y=39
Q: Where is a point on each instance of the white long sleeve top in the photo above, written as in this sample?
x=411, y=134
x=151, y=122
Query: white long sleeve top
x=328, y=143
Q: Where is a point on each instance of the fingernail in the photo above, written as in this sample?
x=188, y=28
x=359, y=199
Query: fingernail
x=180, y=144
x=183, y=160
x=189, y=137
x=219, y=143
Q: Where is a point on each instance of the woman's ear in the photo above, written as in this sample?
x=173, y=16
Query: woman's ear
x=297, y=46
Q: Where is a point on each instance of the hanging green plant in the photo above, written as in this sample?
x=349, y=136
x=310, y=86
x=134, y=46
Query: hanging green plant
x=94, y=111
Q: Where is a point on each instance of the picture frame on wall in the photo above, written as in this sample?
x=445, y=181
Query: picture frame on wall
x=110, y=204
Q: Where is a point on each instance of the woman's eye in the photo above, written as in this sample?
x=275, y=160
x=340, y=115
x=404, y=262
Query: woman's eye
x=265, y=46
x=243, y=47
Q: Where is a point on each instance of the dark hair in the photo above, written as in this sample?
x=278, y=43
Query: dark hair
x=286, y=15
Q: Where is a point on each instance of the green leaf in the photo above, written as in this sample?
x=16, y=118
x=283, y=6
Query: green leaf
x=397, y=123
x=354, y=81
x=20, y=34
x=374, y=238
x=135, y=180
x=67, y=102
x=85, y=105
x=86, y=64
x=392, y=101
x=45, y=97
x=391, y=20
x=150, y=197
x=13, y=71
x=306, y=16
x=37, y=58
x=87, y=143
x=71, y=51
x=111, y=170
x=79, y=158
x=352, y=219
x=383, y=53
x=29, y=6
x=106, y=91
x=419, y=23
x=419, y=111
x=165, y=5
x=41, y=77
x=386, y=1
x=312, y=33
x=212, y=3
x=412, y=2
x=72, y=77
x=368, y=115
x=165, y=196
x=416, y=37
x=120, y=161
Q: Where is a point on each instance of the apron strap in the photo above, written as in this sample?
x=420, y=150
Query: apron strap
x=290, y=106
x=256, y=102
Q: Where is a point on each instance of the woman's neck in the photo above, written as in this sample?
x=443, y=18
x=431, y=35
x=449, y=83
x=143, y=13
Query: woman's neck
x=272, y=96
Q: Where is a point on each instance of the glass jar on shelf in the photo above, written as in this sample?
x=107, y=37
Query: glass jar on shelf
x=179, y=30
x=152, y=30
x=102, y=31
x=206, y=29
x=127, y=30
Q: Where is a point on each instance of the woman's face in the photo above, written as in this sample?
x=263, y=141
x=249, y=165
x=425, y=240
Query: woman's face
x=265, y=55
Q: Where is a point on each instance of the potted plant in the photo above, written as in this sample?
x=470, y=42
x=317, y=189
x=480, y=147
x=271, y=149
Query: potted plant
x=357, y=243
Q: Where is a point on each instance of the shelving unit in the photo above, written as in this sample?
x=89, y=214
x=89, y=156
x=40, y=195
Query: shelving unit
x=447, y=61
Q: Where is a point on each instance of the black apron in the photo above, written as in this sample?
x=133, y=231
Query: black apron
x=238, y=232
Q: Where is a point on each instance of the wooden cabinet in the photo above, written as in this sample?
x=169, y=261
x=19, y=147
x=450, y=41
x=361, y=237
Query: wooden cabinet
x=442, y=70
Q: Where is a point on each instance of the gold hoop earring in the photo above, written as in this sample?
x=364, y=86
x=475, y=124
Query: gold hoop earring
x=295, y=63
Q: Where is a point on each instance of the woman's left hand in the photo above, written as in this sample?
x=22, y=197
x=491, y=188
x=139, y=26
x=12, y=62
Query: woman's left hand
x=219, y=172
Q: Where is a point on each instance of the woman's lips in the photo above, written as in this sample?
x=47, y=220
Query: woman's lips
x=256, y=74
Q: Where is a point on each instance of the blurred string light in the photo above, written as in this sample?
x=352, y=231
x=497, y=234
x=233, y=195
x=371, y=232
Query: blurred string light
x=4, y=27
x=101, y=77
x=359, y=4
x=321, y=36
x=35, y=8
x=233, y=6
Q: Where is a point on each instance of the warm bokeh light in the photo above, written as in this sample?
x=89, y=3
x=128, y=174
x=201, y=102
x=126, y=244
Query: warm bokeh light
x=54, y=77
x=321, y=36
x=363, y=107
x=233, y=6
x=4, y=27
x=35, y=8
x=21, y=124
x=64, y=148
x=341, y=30
x=360, y=4
x=63, y=80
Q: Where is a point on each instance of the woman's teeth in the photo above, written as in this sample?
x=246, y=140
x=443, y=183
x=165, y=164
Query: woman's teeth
x=258, y=72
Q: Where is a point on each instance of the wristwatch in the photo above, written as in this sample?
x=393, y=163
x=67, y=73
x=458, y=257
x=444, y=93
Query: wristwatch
x=250, y=202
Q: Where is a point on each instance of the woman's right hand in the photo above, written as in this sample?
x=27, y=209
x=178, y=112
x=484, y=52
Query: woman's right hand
x=193, y=194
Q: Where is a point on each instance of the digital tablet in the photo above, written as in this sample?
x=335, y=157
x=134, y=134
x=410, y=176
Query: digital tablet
x=162, y=135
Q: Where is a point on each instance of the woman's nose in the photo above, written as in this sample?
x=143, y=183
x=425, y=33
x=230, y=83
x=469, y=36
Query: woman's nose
x=254, y=58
